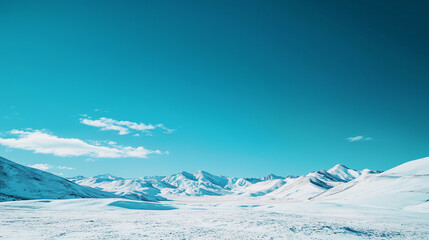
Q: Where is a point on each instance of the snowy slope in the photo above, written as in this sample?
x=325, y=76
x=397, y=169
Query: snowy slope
x=260, y=188
x=300, y=188
x=18, y=182
x=314, y=183
x=405, y=186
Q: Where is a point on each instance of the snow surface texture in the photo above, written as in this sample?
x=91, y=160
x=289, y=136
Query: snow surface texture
x=205, y=218
x=18, y=182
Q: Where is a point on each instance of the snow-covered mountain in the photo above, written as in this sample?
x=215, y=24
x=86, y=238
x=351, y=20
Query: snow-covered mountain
x=202, y=183
x=18, y=182
x=314, y=183
x=134, y=189
x=405, y=186
x=156, y=188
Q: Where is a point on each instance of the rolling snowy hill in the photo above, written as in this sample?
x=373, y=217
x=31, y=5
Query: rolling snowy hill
x=405, y=186
x=314, y=183
x=18, y=182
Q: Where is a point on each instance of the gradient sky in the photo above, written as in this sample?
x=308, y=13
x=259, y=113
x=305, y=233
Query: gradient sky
x=249, y=87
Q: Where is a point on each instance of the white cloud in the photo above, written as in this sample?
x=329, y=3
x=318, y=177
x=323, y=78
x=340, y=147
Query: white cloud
x=42, y=142
x=41, y=166
x=105, y=124
x=45, y=167
x=65, y=168
x=123, y=127
x=166, y=130
x=358, y=138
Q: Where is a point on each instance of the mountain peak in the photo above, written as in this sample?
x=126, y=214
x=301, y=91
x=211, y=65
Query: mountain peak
x=108, y=176
x=271, y=177
x=201, y=172
x=187, y=175
x=217, y=180
x=344, y=173
x=338, y=167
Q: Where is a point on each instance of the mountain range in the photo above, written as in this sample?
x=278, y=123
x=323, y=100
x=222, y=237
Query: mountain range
x=405, y=186
x=202, y=183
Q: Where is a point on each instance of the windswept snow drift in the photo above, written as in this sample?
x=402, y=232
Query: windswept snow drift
x=88, y=204
x=18, y=182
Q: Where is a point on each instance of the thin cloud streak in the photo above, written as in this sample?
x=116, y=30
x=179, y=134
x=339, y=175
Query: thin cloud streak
x=65, y=168
x=358, y=138
x=122, y=127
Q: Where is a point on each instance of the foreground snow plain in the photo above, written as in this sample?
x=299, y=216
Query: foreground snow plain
x=216, y=217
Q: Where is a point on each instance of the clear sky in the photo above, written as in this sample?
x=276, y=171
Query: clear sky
x=238, y=88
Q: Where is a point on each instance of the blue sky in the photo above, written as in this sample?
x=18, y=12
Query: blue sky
x=241, y=88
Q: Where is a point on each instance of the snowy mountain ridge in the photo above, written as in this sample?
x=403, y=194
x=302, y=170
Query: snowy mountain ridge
x=202, y=183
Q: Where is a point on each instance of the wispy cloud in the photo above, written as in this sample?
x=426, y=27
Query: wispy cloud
x=45, y=167
x=65, y=168
x=358, y=138
x=122, y=127
x=41, y=166
x=43, y=142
